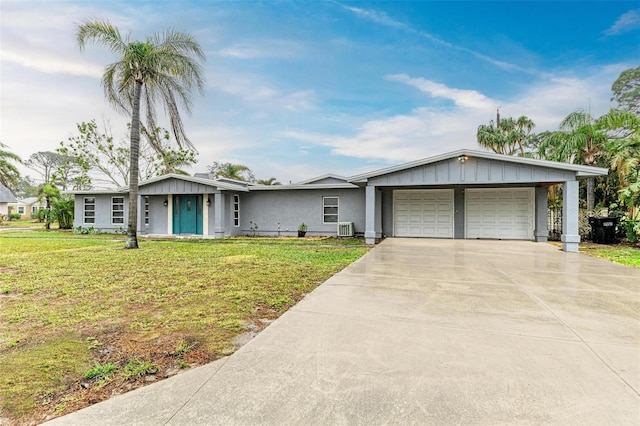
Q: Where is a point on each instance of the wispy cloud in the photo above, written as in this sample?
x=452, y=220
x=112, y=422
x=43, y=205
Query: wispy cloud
x=261, y=49
x=462, y=98
x=626, y=22
x=262, y=95
x=51, y=64
x=383, y=18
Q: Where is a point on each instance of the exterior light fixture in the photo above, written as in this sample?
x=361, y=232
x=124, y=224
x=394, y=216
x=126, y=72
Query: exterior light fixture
x=463, y=158
x=208, y=202
x=166, y=202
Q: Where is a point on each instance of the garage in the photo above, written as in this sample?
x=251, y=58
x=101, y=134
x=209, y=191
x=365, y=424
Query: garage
x=423, y=213
x=506, y=213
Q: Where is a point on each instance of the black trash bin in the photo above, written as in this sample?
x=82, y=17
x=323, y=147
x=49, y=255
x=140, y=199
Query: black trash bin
x=603, y=229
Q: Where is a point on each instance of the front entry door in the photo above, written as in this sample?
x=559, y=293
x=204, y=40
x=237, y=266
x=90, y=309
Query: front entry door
x=187, y=214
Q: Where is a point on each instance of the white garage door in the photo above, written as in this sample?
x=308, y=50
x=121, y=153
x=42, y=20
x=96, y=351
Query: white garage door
x=423, y=213
x=499, y=213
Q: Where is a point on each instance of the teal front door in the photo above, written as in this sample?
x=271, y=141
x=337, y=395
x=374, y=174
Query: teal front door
x=187, y=214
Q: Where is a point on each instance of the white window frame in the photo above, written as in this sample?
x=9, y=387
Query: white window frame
x=89, y=219
x=325, y=206
x=236, y=210
x=114, y=210
x=20, y=209
x=35, y=209
x=146, y=210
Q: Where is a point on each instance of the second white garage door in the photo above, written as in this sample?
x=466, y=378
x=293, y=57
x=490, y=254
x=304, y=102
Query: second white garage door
x=499, y=213
x=423, y=213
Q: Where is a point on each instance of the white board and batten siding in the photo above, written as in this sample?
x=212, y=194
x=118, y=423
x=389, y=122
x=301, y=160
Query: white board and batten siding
x=505, y=213
x=423, y=213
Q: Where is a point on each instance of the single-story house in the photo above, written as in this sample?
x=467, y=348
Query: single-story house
x=462, y=194
x=28, y=206
x=6, y=198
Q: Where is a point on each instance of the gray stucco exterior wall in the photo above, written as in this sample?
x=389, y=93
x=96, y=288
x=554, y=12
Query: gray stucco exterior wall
x=290, y=208
x=102, y=217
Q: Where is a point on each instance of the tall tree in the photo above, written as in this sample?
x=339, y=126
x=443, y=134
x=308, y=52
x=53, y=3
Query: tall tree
x=59, y=168
x=626, y=90
x=163, y=68
x=582, y=139
x=9, y=174
x=107, y=158
x=506, y=136
x=232, y=171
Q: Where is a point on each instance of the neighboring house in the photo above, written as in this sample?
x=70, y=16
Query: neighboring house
x=461, y=194
x=6, y=198
x=27, y=206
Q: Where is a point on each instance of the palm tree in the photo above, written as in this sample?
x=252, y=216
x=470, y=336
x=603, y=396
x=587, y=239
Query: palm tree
x=9, y=174
x=232, y=171
x=270, y=181
x=163, y=68
x=506, y=136
x=582, y=139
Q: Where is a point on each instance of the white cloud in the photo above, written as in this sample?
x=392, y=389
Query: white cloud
x=428, y=130
x=50, y=63
x=462, y=98
x=626, y=22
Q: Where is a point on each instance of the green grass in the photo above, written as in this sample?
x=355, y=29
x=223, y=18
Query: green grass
x=193, y=295
x=626, y=255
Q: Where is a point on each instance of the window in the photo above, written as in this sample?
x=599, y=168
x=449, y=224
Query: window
x=89, y=210
x=146, y=210
x=117, y=210
x=329, y=209
x=20, y=209
x=34, y=209
x=236, y=210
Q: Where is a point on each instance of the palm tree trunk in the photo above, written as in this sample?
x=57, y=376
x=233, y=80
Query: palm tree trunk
x=132, y=224
x=591, y=194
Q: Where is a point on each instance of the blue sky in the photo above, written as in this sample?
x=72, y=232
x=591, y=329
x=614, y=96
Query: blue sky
x=299, y=89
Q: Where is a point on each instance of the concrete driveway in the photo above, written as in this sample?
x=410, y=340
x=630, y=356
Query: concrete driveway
x=426, y=332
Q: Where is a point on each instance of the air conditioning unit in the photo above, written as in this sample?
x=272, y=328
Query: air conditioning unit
x=345, y=229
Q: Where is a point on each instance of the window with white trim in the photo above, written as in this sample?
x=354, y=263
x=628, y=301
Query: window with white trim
x=34, y=209
x=117, y=210
x=89, y=210
x=236, y=210
x=146, y=210
x=20, y=209
x=329, y=209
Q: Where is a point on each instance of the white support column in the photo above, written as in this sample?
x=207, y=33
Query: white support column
x=542, y=206
x=570, y=208
x=370, y=215
x=218, y=215
x=205, y=214
x=169, y=214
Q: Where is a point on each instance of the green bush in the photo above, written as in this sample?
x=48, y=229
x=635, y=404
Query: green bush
x=15, y=216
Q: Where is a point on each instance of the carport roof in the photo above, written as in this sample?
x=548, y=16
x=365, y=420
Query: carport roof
x=579, y=170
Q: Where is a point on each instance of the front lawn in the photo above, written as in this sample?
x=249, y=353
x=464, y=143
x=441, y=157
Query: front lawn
x=619, y=253
x=82, y=318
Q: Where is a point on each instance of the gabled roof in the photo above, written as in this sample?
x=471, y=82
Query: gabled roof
x=6, y=196
x=29, y=200
x=581, y=171
x=222, y=184
x=323, y=177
